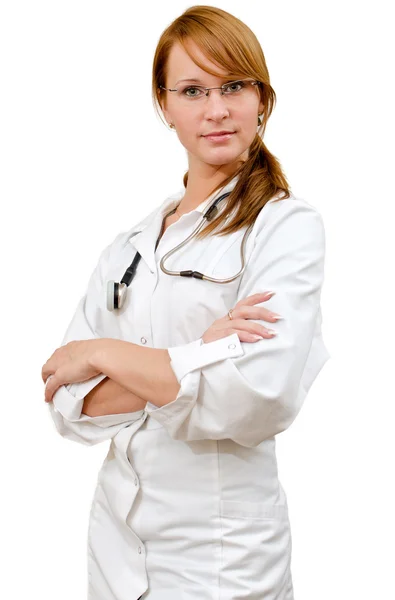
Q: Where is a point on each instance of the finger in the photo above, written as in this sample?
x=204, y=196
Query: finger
x=44, y=373
x=257, y=312
x=47, y=371
x=50, y=389
x=244, y=336
x=255, y=298
x=50, y=367
x=252, y=328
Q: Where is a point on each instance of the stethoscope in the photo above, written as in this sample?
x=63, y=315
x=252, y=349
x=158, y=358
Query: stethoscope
x=116, y=292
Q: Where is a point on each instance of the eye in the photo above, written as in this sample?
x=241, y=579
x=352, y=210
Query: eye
x=187, y=89
x=234, y=86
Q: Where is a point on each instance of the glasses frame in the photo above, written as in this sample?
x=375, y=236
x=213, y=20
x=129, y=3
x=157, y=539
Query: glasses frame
x=253, y=82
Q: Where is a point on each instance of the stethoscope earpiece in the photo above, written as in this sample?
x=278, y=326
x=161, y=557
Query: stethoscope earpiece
x=116, y=294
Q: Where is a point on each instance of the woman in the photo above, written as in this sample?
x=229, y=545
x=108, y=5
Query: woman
x=182, y=374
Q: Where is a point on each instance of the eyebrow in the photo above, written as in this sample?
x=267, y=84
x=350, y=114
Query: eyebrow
x=196, y=80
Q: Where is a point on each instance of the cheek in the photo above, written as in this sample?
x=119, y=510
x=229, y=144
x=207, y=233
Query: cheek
x=248, y=121
x=188, y=135
x=244, y=137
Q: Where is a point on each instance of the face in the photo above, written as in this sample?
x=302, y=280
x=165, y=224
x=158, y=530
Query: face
x=216, y=112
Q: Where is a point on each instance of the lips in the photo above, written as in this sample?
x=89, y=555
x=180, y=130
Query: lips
x=219, y=138
x=218, y=133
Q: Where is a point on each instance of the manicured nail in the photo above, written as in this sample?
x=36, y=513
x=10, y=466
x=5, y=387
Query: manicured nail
x=257, y=337
x=272, y=332
x=269, y=294
x=277, y=317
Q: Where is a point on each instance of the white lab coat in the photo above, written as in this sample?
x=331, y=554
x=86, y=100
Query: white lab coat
x=188, y=502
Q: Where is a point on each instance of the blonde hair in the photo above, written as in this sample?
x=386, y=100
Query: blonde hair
x=231, y=44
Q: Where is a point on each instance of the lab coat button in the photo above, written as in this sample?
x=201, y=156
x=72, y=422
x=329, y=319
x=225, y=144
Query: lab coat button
x=139, y=549
x=143, y=340
x=135, y=482
x=231, y=346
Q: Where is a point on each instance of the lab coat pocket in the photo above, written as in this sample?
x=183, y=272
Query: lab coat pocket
x=256, y=550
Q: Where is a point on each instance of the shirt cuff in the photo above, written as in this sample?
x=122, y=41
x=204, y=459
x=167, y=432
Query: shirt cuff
x=188, y=358
x=82, y=389
x=70, y=407
x=196, y=355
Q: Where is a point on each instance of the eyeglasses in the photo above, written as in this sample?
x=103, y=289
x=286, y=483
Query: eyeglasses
x=232, y=89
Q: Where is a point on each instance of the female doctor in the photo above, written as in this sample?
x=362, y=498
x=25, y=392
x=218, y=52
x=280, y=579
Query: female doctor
x=195, y=361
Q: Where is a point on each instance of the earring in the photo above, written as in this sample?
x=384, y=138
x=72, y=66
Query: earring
x=171, y=126
x=259, y=120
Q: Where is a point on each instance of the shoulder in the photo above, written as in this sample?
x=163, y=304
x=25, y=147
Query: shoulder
x=286, y=214
x=278, y=207
x=287, y=227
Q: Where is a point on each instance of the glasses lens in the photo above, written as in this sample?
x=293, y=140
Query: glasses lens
x=191, y=92
x=235, y=89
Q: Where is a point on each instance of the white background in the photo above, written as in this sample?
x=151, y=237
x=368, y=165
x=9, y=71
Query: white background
x=84, y=156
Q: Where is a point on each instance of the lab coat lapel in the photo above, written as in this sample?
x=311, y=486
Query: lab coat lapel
x=144, y=241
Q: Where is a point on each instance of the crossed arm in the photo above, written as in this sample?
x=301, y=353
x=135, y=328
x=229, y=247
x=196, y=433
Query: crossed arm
x=108, y=397
x=220, y=390
x=134, y=376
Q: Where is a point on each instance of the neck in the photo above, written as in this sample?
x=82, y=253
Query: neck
x=202, y=181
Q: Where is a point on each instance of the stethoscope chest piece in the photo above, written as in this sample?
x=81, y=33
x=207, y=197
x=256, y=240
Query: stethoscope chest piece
x=116, y=295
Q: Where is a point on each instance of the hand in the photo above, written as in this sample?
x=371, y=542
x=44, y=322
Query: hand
x=71, y=363
x=245, y=329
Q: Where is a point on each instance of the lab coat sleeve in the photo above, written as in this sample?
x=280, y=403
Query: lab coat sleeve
x=66, y=406
x=251, y=391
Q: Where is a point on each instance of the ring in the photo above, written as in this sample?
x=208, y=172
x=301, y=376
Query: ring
x=230, y=313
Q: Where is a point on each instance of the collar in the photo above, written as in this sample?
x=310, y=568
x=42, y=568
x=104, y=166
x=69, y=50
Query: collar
x=143, y=237
x=175, y=199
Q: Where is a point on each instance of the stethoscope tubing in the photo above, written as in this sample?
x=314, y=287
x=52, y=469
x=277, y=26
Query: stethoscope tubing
x=197, y=274
x=116, y=292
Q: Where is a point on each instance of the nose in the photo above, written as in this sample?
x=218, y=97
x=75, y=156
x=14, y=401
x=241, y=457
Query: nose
x=215, y=105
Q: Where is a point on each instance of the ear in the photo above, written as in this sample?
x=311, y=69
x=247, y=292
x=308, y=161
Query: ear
x=163, y=106
x=166, y=115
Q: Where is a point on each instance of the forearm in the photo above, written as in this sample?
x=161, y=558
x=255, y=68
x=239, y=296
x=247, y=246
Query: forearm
x=145, y=372
x=109, y=398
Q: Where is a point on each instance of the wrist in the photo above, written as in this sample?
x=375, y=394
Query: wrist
x=100, y=352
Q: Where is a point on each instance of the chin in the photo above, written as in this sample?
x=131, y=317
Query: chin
x=221, y=157
x=218, y=161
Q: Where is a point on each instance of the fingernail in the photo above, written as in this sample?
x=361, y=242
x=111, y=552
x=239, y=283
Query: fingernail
x=277, y=317
x=257, y=337
x=269, y=294
x=271, y=331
